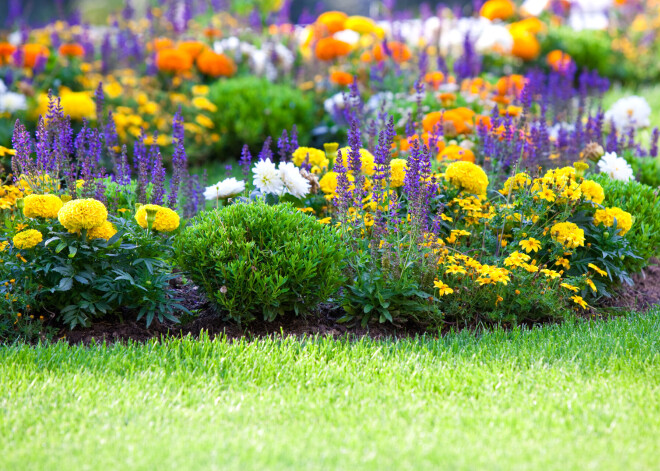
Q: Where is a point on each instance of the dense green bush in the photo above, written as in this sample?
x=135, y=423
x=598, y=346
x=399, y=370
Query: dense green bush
x=643, y=203
x=251, y=109
x=252, y=258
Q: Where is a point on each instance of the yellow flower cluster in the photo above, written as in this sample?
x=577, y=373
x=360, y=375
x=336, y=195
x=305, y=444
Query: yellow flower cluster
x=8, y=196
x=398, y=169
x=81, y=214
x=42, y=206
x=557, y=183
x=165, y=220
x=607, y=216
x=315, y=157
x=104, y=231
x=592, y=191
x=27, y=239
x=568, y=234
x=518, y=182
x=467, y=176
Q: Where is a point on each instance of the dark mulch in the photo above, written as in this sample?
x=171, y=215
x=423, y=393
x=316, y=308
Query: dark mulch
x=644, y=294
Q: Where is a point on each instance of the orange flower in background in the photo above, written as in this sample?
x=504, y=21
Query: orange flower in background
x=460, y=118
x=434, y=79
x=510, y=85
x=173, y=60
x=366, y=57
x=215, y=65
x=531, y=25
x=328, y=49
x=32, y=52
x=332, y=22
x=455, y=152
x=341, y=78
x=6, y=50
x=212, y=33
x=558, y=60
x=481, y=120
x=405, y=144
x=525, y=44
x=498, y=9
x=192, y=48
x=398, y=51
x=160, y=44
x=71, y=50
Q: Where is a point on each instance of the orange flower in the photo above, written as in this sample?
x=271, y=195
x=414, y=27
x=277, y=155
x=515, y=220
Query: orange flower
x=72, y=50
x=212, y=33
x=460, y=118
x=6, y=50
x=160, y=44
x=510, y=85
x=558, y=60
x=481, y=120
x=32, y=52
x=215, y=65
x=173, y=60
x=366, y=57
x=405, y=144
x=498, y=9
x=434, y=79
x=328, y=49
x=331, y=22
x=525, y=44
x=341, y=78
x=455, y=152
x=398, y=51
x=192, y=48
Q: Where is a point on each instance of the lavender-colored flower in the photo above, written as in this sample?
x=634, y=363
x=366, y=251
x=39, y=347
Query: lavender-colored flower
x=266, y=152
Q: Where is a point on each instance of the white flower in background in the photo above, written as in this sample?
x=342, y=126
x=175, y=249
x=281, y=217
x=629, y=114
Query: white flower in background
x=616, y=167
x=631, y=111
x=267, y=177
x=3, y=87
x=553, y=132
x=293, y=182
x=534, y=7
x=334, y=103
x=494, y=38
x=224, y=189
x=11, y=102
x=348, y=36
x=589, y=14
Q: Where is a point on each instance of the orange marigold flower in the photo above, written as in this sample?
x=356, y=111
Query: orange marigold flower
x=332, y=22
x=6, y=50
x=558, y=60
x=32, y=53
x=173, y=60
x=498, y=9
x=160, y=44
x=434, y=79
x=215, y=65
x=212, y=33
x=525, y=44
x=510, y=85
x=461, y=118
x=71, y=50
x=341, y=78
x=192, y=48
x=328, y=49
x=397, y=50
x=454, y=152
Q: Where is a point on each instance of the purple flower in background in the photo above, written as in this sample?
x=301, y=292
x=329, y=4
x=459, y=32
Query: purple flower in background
x=246, y=161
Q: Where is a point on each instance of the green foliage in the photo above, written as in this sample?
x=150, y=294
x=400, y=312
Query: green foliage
x=250, y=109
x=80, y=280
x=643, y=203
x=252, y=258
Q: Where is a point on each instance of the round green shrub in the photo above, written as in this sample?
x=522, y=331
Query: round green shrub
x=250, y=109
x=643, y=202
x=252, y=258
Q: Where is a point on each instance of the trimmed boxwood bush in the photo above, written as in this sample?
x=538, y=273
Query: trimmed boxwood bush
x=250, y=109
x=254, y=259
x=643, y=202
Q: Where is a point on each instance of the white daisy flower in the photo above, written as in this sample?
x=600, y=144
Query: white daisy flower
x=616, y=167
x=224, y=189
x=267, y=177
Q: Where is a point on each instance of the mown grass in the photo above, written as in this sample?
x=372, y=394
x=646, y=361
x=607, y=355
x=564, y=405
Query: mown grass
x=578, y=396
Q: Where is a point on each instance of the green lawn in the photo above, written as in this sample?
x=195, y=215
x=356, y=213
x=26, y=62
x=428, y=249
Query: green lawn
x=577, y=396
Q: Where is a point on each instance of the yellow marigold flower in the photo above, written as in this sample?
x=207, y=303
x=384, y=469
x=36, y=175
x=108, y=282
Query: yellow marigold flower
x=579, y=301
x=569, y=287
x=516, y=259
x=204, y=121
x=517, y=182
x=166, y=219
x=443, y=289
x=200, y=89
x=325, y=220
x=607, y=216
x=42, y=206
x=315, y=157
x=27, y=239
x=547, y=194
x=568, y=234
x=82, y=214
x=104, y=231
x=455, y=270
x=592, y=191
x=78, y=105
x=467, y=176
x=591, y=284
x=3, y=245
x=550, y=273
x=4, y=151
x=530, y=245
x=398, y=169
x=204, y=103
x=598, y=270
